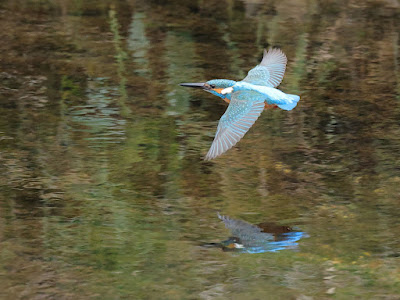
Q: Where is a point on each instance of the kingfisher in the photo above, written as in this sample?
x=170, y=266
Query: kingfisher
x=247, y=99
x=260, y=238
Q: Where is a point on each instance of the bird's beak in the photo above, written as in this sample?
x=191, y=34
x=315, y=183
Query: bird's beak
x=199, y=85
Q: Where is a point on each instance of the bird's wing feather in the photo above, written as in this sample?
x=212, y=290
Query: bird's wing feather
x=237, y=226
x=233, y=125
x=270, y=71
x=249, y=235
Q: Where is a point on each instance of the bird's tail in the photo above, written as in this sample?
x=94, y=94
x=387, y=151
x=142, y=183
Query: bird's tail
x=292, y=102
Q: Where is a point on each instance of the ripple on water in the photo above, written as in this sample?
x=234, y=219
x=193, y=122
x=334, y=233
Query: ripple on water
x=99, y=120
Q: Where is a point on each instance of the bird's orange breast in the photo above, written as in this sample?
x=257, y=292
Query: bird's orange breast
x=267, y=106
x=218, y=90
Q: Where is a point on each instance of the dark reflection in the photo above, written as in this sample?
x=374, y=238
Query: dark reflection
x=260, y=238
x=102, y=182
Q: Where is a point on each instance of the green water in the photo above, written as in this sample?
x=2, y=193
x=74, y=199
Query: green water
x=103, y=190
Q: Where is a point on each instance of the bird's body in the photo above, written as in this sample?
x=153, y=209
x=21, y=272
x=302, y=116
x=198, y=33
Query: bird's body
x=260, y=238
x=247, y=99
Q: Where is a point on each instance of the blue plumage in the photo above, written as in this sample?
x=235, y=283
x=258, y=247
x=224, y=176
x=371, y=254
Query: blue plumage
x=264, y=237
x=247, y=99
x=221, y=84
x=292, y=104
x=268, y=94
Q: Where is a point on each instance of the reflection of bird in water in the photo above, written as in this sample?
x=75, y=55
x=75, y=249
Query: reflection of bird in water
x=247, y=99
x=264, y=237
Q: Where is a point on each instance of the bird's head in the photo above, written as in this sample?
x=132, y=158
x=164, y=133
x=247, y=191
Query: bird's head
x=214, y=86
x=232, y=244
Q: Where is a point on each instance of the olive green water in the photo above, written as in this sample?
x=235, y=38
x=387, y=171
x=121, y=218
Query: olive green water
x=103, y=190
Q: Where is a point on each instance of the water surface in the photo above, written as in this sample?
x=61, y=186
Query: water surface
x=103, y=190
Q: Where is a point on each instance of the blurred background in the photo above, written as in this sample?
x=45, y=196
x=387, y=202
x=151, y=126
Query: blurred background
x=103, y=190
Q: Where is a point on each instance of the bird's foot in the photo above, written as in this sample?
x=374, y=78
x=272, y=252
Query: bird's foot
x=270, y=106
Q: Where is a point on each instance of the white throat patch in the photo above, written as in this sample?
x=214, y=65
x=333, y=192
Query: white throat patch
x=227, y=90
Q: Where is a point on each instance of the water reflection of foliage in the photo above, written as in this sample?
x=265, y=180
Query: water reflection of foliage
x=120, y=57
x=127, y=211
x=98, y=117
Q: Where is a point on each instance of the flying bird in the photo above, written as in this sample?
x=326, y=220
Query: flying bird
x=247, y=99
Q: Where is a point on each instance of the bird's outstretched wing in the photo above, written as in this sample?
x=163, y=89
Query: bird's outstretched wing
x=235, y=122
x=250, y=235
x=270, y=71
x=238, y=227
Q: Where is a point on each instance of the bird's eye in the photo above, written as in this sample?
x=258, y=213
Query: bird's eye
x=212, y=86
